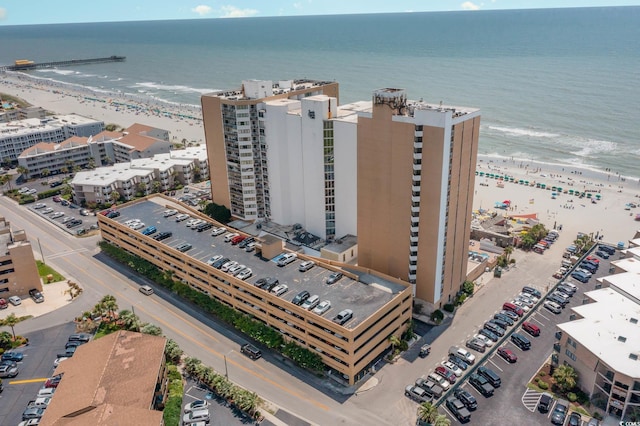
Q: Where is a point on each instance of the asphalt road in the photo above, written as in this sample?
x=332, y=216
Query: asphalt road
x=302, y=395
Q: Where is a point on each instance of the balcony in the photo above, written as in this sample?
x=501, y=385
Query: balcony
x=413, y=239
x=417, y=156
x=415, y=209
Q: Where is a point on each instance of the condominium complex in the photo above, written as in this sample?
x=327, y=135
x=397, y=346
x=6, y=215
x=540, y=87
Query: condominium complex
x=416, y=171
x=379, y=306
x=602, y=342
x=14, y=113
x=18, y=270
x=145, y=175
x=138, y=141
x=236, y=141
x=397, y=173
x=118, y=379
x=16, y=136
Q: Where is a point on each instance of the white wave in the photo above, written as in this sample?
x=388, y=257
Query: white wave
x=589, y=147
x=515, y=131
x=117, y=79
x=171, y=88
x=57, y=71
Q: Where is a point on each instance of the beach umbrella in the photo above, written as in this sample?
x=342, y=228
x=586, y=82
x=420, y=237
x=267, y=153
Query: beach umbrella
x=526, y=182
x=553, y=188
x=559, y=189
x=598, y=196
x=588, y=195
x=571, y=192
x=476, y=173
x=481, y=173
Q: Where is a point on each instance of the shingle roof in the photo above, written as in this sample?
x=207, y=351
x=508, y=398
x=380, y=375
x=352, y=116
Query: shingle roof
x=109, y=381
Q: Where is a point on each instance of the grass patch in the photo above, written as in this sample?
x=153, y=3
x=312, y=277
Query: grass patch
x=173, y=405
x=106, y=328
x=45, y=270
x=581, y=411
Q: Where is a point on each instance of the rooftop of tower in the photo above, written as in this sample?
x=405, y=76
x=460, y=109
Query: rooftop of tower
x=257, y=89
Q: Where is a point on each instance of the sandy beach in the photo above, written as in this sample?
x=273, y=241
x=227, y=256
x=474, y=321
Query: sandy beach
x=607, y=216
x=182, y=121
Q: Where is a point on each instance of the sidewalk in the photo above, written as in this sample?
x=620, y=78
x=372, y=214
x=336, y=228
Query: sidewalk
x=54, y=298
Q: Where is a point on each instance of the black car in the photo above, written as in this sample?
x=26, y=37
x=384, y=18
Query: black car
x=82, y=337
x=204, y=226
x=557, y=299
x=566, y=290
x=35, y=294
x=467, y=399
x=501, y=323
x=545, y=403
x=602, y=254
x=504, y=318
x=458, y=409
x=301, y=297
x=12, y=356
x=575, y=419
x=113, y=215
x=489, y=334
x=162, y=236
x=245, y=242
x=458, y=361
x=607, y=249
x=481, y=384
x=218, y=263
x=267, y=283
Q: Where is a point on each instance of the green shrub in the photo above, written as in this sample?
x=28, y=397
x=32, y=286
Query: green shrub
x=449, y=307
x=572, y=397
x=543, y=385
x=460, y=298
x=26, y=199
x=468, y=287
x=542, y=374
x=48, y=193
x=437, y=316
x=173, y=405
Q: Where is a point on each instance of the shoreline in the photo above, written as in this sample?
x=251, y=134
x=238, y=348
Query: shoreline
x=607, y=216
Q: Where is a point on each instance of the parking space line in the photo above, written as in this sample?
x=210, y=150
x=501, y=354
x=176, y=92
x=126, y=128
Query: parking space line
x=540, y=313
x=21, y=382
x=533, y=318
x=496, y=365
x=530, y=399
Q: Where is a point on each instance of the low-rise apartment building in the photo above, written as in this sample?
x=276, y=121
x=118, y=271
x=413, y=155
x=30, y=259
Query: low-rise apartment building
x=105, y=148
x=140, y=176
x=602, y=343
x=118, y=379
x=16, y=136
x=380, y=305
x=18, y=269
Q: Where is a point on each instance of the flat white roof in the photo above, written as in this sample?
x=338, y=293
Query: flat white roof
x=634, y=249
x=627, y=282
x=610, y=329
x=628, y=264
x=105, y=176
x=191, y=153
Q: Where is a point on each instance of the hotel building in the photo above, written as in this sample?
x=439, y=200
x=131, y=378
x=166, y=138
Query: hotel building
x=397, y=173
x=18, y=270
x=380, y=305
x=236, y=141
x=416, y=171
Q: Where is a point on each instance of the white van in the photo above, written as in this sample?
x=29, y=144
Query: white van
x=195, y=416
x=230, y=236
x=145, y=289
x=286, y=259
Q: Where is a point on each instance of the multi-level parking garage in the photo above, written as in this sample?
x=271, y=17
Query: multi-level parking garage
x=381, y=305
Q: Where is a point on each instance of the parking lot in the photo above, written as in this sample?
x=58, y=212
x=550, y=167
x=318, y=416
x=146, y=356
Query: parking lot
x=361, y=298
x=35, y=368
x=62, y=214
x=221, y=414
x=512, y=400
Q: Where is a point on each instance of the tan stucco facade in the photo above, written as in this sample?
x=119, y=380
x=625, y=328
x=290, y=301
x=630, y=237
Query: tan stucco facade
x=390, y=150
x=18, y=269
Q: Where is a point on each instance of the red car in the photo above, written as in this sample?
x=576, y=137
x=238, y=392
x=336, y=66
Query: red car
x=446, y=373
x=57, y=199
x=238, y=239
x=53, y=382
x=593, y=259
x=507, y=354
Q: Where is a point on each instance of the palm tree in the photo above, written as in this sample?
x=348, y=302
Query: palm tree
x=128, y=319
x=155, y=186
x=115, y=196
x=45, y=172
x=5, y=179
x=109, y=304
x=190, y=364
x=151, y=329
x=566, y=377
x=441, y=420
x=508, y=251
x=395, y=341
x=11, y=321
x=427, y=412
x=22, y=170
x=5, y=340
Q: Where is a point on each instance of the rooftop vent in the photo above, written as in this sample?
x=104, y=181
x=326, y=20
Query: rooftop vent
x=622, y=339
x=633, y=320
x=633, y=356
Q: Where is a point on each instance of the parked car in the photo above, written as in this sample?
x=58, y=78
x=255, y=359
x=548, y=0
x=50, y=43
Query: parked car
x=481, y=384
x=507, y=355
x=510, y=314
x=305, y=266
x=446, y=373
x=39, y=206
x=279, y=290
x=504, y=318
x=198, y=404
x=8, y=369
x=12, y=356
x=490, y=375
x=35, y=294
x=3, y=303
x=458, y=409
x=439, y=380
x=575, y=419
x=467, y=399
x=301, y=297
x=218, y=231
x=486, y=337
x=322, y=307
x=559, y=412
x=545, y=402
x=476, y=345
x=454, y=359
x=552, y=306
x=467, y=356
x=15, y=300
x=32, y=413
x=451, y=366
x=334, y=278
x=244, y=274
x=417, y=393
x=311, y=302
x=343, y=316
x=602, y=254
x=430, y=386
x=82, y=337
x=531, y=328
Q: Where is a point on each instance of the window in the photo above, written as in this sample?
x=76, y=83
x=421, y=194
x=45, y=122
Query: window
x=570, y=354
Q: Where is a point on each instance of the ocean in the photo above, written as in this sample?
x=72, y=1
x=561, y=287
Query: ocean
x=557, y=86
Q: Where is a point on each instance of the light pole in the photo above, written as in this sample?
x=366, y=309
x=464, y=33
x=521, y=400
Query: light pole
x=226, y=370
x=41, y=254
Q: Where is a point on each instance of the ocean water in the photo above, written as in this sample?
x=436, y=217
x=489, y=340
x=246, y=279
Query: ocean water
x=556, y=85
